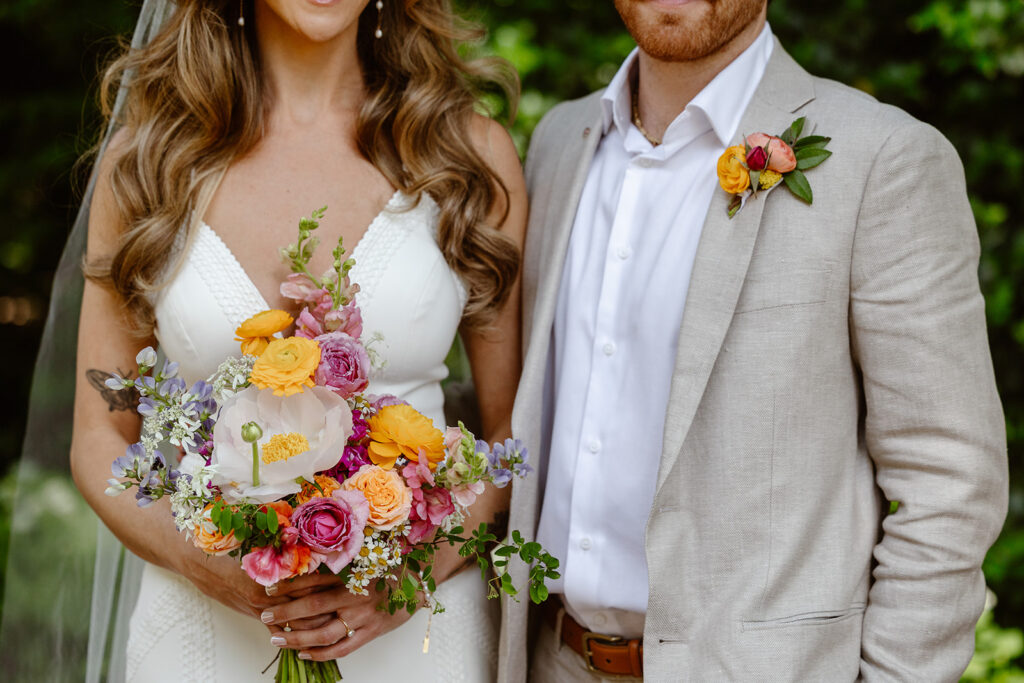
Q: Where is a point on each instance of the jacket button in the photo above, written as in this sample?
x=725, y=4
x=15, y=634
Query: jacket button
x=586, y=132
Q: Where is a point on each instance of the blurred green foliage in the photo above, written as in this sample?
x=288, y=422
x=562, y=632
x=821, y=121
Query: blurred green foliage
x=957, y=64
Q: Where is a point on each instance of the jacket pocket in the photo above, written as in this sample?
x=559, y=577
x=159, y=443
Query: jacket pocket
x=785, y=285
x=823, y=618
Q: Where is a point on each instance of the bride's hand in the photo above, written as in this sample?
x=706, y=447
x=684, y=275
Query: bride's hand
x=344, y=613
x=223, y=580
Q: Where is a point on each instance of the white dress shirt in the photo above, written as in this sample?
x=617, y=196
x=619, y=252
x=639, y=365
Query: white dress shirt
x=620, y=306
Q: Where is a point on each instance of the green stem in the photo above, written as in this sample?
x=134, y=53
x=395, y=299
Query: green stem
x=302, y=671
x=255, y=464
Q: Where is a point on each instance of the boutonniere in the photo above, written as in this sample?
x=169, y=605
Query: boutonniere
x=763, y=160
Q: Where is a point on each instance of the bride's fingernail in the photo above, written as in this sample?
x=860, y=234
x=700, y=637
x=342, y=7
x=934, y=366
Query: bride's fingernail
x=305, y=655
x=277, y=641
x=267, y=617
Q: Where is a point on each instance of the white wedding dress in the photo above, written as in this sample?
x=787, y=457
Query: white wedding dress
x=414, y=300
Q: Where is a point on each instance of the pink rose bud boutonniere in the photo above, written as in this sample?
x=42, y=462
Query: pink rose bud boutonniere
x=763, y=161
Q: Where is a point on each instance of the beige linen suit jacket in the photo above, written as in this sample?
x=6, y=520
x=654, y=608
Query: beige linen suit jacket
x=831, y=358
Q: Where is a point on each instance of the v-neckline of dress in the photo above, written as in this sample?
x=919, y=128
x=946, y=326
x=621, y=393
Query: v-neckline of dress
x=254, y=294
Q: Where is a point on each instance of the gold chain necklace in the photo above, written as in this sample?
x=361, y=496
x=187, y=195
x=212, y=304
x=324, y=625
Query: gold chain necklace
x=636, y=115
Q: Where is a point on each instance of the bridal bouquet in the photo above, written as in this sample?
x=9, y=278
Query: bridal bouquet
x=288, y=465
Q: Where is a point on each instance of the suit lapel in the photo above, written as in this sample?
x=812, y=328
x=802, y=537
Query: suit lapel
x=723, y=255
x=573, y=164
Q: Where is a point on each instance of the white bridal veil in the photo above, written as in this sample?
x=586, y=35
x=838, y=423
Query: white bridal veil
x=69, y=585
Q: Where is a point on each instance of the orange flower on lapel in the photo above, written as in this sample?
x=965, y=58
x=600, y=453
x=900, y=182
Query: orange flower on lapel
x=763, y=161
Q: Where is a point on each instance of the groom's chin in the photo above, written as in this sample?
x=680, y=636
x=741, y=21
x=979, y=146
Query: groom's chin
x=686, y=30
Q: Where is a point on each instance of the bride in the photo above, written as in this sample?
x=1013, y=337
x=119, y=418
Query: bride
x=238, y=118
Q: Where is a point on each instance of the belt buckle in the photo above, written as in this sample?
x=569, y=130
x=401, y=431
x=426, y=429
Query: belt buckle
x=588, y=656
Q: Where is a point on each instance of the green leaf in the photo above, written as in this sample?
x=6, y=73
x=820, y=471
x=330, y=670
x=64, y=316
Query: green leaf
x=755, y=176
x=237, y=522
x=505, y=551
x=272, y=520
x=517, y=537
x=261, y=522
x=797, y=183
x=793, y=132
x=811, y=141
x=225, y=523
x=810, y=157
x=409, y=588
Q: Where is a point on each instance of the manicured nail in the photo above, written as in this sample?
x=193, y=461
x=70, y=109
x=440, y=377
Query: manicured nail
x=277, y=641
x=305, y=655
x=267, y=617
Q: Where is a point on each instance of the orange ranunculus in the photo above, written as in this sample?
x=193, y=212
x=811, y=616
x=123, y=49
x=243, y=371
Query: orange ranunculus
x=389, y=498
x=402, y=430
x=286, y=366
x=284, y=512
x=208, y=538
x=256, y=332
x=328, y=485
x=733, y=175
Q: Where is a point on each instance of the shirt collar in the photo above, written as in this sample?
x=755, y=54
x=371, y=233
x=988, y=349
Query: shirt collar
x=722, y=101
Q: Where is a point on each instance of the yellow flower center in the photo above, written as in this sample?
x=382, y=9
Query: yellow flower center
x=284, y=446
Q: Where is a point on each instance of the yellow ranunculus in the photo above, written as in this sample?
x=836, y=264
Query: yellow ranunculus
x=402, y=430
x=733, y=175
x=286, y=366
x=255, y=333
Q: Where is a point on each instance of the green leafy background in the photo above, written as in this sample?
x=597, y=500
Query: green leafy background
x=957, y=64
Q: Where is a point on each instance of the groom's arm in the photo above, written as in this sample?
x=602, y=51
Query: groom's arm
x=933, y=426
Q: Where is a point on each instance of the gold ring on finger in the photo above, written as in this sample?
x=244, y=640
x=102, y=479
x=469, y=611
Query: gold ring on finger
x=349, y=631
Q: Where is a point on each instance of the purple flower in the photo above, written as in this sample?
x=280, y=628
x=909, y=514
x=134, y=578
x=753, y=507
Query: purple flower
x=344, y=364
x=333, y=527
x=352, y=458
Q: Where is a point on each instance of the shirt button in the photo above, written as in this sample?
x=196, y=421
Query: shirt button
x=585, y=543
x=609, y=349
x=644, y=163
x=594, y=446
x=600, y=620
x=624, y=253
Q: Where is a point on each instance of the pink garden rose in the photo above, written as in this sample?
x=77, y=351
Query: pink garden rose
x=780, y=155
x=344, y=364
x=347, y=319
x=333, y=527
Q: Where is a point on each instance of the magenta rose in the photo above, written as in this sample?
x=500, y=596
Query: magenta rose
x=344, y=364
x=333, y=527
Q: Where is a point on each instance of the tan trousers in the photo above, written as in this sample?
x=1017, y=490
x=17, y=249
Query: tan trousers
x=554, y=662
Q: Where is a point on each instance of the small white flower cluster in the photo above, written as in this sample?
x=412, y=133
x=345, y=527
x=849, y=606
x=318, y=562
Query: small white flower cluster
x=192, y=494
x=180, y=425
x=454, y=519
x=381, y=552
x=377, y=360
x=231, y=377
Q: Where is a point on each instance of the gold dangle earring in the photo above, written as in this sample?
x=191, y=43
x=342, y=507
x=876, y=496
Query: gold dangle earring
x=241, y=12
x=379, y=33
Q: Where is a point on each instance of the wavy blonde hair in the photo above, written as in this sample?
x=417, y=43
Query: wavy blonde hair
x=195, y=100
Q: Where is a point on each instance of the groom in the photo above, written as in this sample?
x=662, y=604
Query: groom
x=725, y=409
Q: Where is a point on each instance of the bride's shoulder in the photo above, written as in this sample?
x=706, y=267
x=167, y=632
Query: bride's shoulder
x=493, y=143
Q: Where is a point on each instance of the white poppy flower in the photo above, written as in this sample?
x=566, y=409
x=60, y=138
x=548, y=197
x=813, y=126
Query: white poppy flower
x=303, y=434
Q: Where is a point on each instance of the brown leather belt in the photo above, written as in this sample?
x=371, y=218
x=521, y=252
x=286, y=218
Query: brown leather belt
x=610, y=655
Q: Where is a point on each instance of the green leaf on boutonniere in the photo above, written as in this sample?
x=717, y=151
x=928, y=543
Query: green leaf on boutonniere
x=792, y=133
x=755, y=177
x=809, y=157
x=734, y=205
x=811, y=141
x=797, y=183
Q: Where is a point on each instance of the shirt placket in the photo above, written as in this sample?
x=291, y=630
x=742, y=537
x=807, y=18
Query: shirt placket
x=593, y=468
